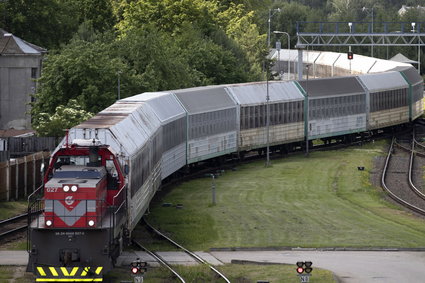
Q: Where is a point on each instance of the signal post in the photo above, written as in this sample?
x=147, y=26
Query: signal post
x=304, y=270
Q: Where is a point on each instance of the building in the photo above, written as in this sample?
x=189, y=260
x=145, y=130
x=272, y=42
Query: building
x=20, y=65
x=405, y=8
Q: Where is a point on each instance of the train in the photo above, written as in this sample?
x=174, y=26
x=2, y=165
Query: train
x=104, y=173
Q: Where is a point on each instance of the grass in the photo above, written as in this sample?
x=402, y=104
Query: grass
x=9, y=209
x=15, y=274
x=319, y=201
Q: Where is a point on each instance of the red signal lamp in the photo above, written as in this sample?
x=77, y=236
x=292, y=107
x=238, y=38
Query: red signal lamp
x=134, y=270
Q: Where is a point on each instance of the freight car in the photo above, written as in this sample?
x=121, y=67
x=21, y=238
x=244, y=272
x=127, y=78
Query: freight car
x=103, y=175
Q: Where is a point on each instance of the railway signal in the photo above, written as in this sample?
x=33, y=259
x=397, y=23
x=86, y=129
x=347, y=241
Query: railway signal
x=304, y=266
x=350, y=55
x=138, y=266
x=304, y=269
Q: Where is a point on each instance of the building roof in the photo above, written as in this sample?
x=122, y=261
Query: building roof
x=13, y=45
x=405, y=8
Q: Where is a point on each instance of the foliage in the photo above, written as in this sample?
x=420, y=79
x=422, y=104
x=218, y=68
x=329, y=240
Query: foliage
x=86, y=71
x=64, y=118
x=205, y=21
x=44, y=22
x=168, y=44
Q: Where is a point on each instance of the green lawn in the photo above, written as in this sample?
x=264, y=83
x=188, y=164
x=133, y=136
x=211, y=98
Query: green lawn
x=319, y=201
x=12, y=208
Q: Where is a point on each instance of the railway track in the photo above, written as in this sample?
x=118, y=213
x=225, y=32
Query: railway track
x=398, y=177
x=192, y=254
x=11, y=226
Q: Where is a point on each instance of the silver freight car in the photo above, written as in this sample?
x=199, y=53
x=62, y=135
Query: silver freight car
x=336, y=107
x=286, y=114
x=212, y=122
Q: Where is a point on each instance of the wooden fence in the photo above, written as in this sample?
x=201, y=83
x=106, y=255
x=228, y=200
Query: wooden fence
x=4, y=156
x=21, y=146
x=20, y=177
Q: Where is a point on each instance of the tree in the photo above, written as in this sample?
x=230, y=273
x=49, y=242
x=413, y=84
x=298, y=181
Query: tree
x=65, y=117
x=205, y=22
x=46, y=23
x=86, y=71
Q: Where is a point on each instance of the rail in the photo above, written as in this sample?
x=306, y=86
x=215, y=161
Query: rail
x=412, y=157
x=390, y=193
x=195, y=256
x=160, y=260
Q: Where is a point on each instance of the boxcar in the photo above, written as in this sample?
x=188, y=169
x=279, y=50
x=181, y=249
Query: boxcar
x=335, y=107
x=212, y=122
x=173, y=128
x=286, y=114
x=387, y=94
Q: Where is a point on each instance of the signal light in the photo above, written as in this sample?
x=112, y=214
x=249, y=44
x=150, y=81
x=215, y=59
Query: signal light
x=350, y=55
x=304, y=267
x=138, y=266
x=300, y=268
x=308, y=267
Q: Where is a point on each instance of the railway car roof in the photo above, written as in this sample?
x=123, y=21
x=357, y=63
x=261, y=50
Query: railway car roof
x=411, y=74
x=125, y=126
x=165, y=105
x=332, y=86
x=205, y=99
x=255, y=93
x=383, y=81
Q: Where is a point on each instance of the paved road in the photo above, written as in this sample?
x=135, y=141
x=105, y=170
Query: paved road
x=349, y=266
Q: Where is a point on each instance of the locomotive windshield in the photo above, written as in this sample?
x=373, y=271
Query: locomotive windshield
x=73, y=160
x=89, y=174
x=79, y=172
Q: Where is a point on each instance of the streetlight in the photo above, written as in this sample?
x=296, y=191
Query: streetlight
x=289, y=50
x=119, y=85
x=267, y=88
x=369, y=11
x=307, y=116
x=419, y=48
x=269, y=22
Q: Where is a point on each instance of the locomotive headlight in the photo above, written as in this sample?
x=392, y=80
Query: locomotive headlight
x=74, y=188
x=91, y=223
x=66, y=189
x=49, y=223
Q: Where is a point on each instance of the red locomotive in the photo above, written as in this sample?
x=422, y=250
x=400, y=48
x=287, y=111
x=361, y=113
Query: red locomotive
x=83, y=194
